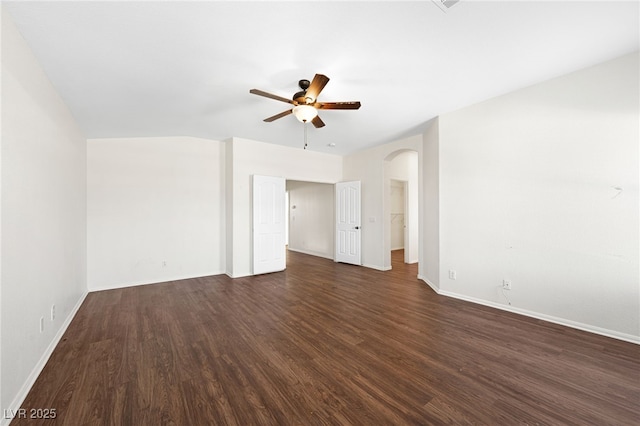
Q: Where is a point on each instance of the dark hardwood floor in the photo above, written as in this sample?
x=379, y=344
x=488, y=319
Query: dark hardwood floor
x=325, y=343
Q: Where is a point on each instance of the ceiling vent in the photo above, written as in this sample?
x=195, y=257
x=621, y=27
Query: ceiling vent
x=444, y=5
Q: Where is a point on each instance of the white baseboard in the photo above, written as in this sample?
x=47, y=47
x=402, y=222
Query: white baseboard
x=147, y=282
x=429, y=283
x=311, y=253
x=26, y=387
x=549, y=318
x=237, y=276
x=378, y=268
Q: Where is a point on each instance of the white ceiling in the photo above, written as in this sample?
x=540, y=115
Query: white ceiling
x=169, y=68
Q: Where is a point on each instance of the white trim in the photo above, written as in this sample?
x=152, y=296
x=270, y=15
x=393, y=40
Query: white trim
x=26, y=387
x=549, y=318
x=429, y=283
x=310, y=253
x=378, y=268
x=162, y=280
x=237, y=276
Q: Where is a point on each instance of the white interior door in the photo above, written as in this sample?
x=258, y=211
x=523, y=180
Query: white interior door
x=348, y=222
x=269, y=251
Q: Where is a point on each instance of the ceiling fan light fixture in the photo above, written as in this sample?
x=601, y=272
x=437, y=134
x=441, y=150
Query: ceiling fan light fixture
x=305, y=113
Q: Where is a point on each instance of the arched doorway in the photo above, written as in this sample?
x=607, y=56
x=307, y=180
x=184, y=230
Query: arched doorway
x=401, y=206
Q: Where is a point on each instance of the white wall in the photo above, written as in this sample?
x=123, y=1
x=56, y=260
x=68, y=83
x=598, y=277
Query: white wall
x=251, y=157
x=312, y=218
x=155, y=210
x=43, y=217
x=229, y=222
x=430, y=213
x=368, y=166
x=528, y=193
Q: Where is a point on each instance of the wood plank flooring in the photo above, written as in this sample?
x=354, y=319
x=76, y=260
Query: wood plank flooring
x=326, y=344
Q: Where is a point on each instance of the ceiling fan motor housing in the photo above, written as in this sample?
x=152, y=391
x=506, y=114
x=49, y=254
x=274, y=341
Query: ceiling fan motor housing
x=300, y=96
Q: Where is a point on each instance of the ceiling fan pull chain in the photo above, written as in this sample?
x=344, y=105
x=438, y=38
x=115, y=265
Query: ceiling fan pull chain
x=305, y=135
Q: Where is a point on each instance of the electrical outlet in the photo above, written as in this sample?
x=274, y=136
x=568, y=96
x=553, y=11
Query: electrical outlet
x=53, y=312
x=506, y=284
x=452, y=274
x=41, y=324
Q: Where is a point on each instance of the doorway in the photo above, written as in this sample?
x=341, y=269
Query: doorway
x=401, y=205
x=311, y=218
x=397, y=202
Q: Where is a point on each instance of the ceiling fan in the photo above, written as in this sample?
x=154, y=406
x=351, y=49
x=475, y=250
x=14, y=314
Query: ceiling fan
x=305, y=102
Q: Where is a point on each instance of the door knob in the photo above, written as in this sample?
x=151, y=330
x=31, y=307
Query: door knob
x=357, y=227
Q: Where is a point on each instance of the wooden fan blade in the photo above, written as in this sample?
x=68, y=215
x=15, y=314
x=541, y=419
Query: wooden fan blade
x=317, y=121
x=275, y=117
x=338, y=105
x=272, y=96
x=316, y=86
